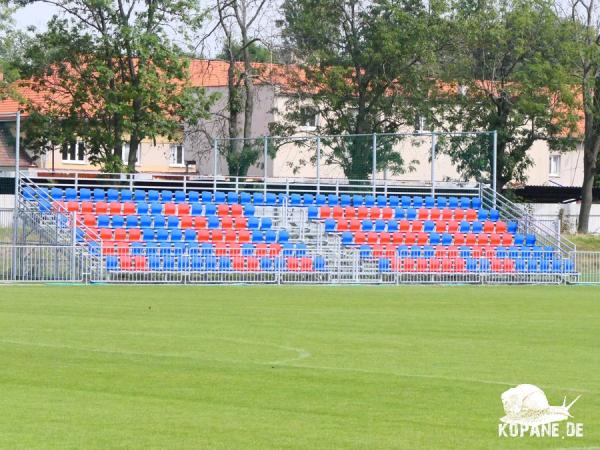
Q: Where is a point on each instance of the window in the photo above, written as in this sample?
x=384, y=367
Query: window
x=308, y=118
x=554, y=165
x=177, y=158
x=138, y=156
x=73, y=152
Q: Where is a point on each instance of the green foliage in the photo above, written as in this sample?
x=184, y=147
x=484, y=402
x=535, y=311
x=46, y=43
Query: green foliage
x=258, y=53
x=109, y=74
x=367, y=70
x=516, y=80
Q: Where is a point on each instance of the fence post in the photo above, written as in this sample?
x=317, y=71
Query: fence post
x=432, y=164
x=265, y=151
x=374, y=162
x=318, y=164
x=16, y=196
x=215, y=156
x=73, y=244
x=495, y=160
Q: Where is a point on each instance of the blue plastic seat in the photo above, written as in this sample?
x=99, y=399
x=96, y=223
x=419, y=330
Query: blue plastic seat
x=393, y=201
x=266, y=264
x=156, y=208
x=99, y=195
x=308, y=199
x=245, y=198
x=347, y=238
x=249, y=210
x=173, y=222
x=190, y=235
x=453, y=202
x=345, y=200
x=257, y=236
x=484, y=265
x=514, y=252
x=258, y=198
x=131, y=222
x=384, y=265
x=126, y=195
x=530, y=239
x=429, y=251
x=207, y=249
x=85, y=195
x=159, y=221
x=136, y=249
x=270, y=236
x=537, y=252
x=112, y=263
x=118, y=221
x=70, y=194
x=381, y=201
x=435, y=238
x=193, y=248
x=162, y=235
x=271, y=199
x=197, y=264
x=442, y=202
x=403, y=251
x=213, y=222
x=501, y=252
x=209, y=263
x=494, y=215
x=417, y=201
x=406, y=201
x=482, y=214
x=549, y=252
x=358, y=200
x=568, y=266
x=219, y=197
x=176, y=234
x=365, y=251
x=380, y=225
x=464, y=251
x=206, y=197
x=471, y=265
x=179, y=247
x=477, y=227
x=330, y=225
x=210, y=209
x=145, y=221
x=392, y=225
x=196, y=209
x=476, y=202
x=319, y=264
x=532, y=265
x=520, y=265
x=193, y=197
x=301, y=249
x=232, y=197
x=369, y=201
x=399, y=213
x=415, y=251
x=180, y=197
x=153, y=195
x=411, y=213
x=429, y=202
x=283, y=236
x=169, y=263
x=446, y=239
x=546, y=266
x=464, y=226
x=112, y=195
x=248, y=250
x=139, y=195
x=366, y=225
x=511, y=227
x=57, y=194
x=152, y=248
x=103, y=221
x=253, y=223
x=428, y=226
x=266, y=223
x=295, y=200
x=224, y=263
x=142, y=208
x=313, y=212
x=287, y=249
x=183, y=263
x=28, y=193
x=519, y=239
x=332, y=200
x=465, y=202
x=154, y=263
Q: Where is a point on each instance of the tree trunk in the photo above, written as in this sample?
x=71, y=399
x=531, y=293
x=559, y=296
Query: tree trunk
x=590, y=156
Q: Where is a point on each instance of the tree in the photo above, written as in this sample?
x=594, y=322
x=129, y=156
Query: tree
x=366, y=69
x=258, y=52
x=585, y=21
x=511, y=78
x=109, y=74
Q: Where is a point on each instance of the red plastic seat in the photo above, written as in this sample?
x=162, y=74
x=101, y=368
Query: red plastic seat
x=122, y=248
x=387, y=213
x=497, y=265
x=410, y=238
x=135, y=234
x=216, y=235
x=509, y=265
x=108, y=248
x=141, y=263
x=423, y=214
x=129, y=209
x=452, y=226
x=342, y=225
x=262, y=249
x=106, y=234
x=372, y=237
x=378, y=251
x=385, y=237
x=237, y=210
x=252, y=264
x=170, y=209
x=230, y=235
x=220, y=248
x=389, y=251
x=459, y=239
x=362, y=212
x=441, y=251
x=349, y=212
x=306, y=264
x=452, y=251
x=409, y=264
x=375, y=213
x=89, y=220
x=476, y=252
x=235, y=249
x=471, y=239
x=126, y=263
x=488, y=226
x=274, y=249
x=495, y=239
x=226, y=222
x=422, y=265
x=239, y=264
x=244, y=236
x=354, y=225
x=101, y=208
x=440, y=226
x=203, y=235
x=506, y=239
x=459, y=214
x=73, y=206
x=187, y=222
x=241, y=223
x=447, y=265
x=471, y=214
x=459, y=265
x=200, y=222
x=434, y=213
x=483, y=239
x=337, y=212
x=293, y=264
x=120, y=234
x=417, y=225
x=183, y=209
x=501, y=227
x=87, y=207
x=435, y=265
x=223, y=209
x=422, y=238
x=403, y=225
x=115, y=208
x=360, y=237
x=397, y=237
x=325, y=212
x=396, y=264
x=447, y=214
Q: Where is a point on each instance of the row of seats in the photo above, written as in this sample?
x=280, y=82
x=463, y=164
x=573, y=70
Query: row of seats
x=367, y=251
x=178, y=234
x=215, y=264
x=142, y=208
x=422, y=238
x=428, y=226
x=474, y=265
x=184, y=222
x=257, y=198
x=298, y=249
x=364, y=212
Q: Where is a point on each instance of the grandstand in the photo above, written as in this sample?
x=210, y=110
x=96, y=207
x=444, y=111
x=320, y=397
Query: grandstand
x=187, y=229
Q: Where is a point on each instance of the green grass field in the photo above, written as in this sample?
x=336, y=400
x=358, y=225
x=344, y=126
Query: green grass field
x=175, y=367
